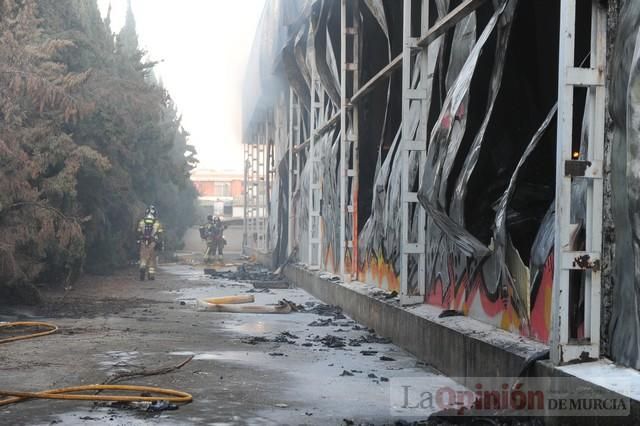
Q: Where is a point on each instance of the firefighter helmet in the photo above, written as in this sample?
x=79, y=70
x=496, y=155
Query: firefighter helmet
x=151, y=211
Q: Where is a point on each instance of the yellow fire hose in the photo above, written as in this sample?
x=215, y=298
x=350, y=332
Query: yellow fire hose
x=230, y=300
x=51, y=329
x=63, y=393
x=69, y=393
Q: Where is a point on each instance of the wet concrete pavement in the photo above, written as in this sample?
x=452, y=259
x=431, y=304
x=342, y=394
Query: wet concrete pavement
x=117, y=324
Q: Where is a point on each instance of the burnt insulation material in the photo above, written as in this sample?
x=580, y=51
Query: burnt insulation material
x=331, y=198
x=527, y=92
x=374, y=111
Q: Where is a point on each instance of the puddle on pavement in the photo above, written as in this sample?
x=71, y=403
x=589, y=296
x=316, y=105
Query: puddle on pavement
x=238, y=356
x=118, y=360
x=252, y=327
x=177, y=269
x=235, y=420
x=185, y=272
x=195, y=293
x=272, y=325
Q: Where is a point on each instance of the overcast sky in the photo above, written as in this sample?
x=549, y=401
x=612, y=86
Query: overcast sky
x=205, y=45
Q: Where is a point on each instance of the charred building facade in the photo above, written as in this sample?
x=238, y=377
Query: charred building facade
x=479, y=156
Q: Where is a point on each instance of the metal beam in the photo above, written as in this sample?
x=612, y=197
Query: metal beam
x=564, y=346
x=447, y=22
x=316, y=110
x=382, y=74
x=342, y=176
x=330, y=124
x=245, y=237
x=261, y=187
x=348, y=176
x=416, y=144
x=293, y=130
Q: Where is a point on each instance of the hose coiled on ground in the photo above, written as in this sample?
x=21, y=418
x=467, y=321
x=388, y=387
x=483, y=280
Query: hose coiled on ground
x=71, y=393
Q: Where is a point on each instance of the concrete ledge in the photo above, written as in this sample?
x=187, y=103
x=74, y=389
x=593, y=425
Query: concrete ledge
x=457, y=346
x=596, y=375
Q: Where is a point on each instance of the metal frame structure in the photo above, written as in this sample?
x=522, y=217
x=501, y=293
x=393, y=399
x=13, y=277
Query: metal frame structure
x=315, y=184
x=294, y=138
x=349, y=84
x=409, y=144
x=272, y=134
x=257, y=172
x=563, y=346
x=245, y=235
x=262, y=183
x=250, y=195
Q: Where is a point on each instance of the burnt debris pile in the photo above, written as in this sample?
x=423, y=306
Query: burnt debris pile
x=260, y=277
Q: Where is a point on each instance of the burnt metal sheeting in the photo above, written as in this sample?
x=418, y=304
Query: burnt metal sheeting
x=625, y=184
x=444, y=143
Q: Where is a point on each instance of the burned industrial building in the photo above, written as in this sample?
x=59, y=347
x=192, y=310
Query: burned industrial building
x=425, y=147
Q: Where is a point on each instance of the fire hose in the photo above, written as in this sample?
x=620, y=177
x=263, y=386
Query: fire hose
x=51, y=329
x=72, y=393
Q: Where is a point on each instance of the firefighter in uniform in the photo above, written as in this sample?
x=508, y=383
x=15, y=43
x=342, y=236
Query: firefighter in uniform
x=150, y=234
x=212, y=234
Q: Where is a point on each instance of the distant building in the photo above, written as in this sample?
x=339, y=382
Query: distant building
x=221, y=192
